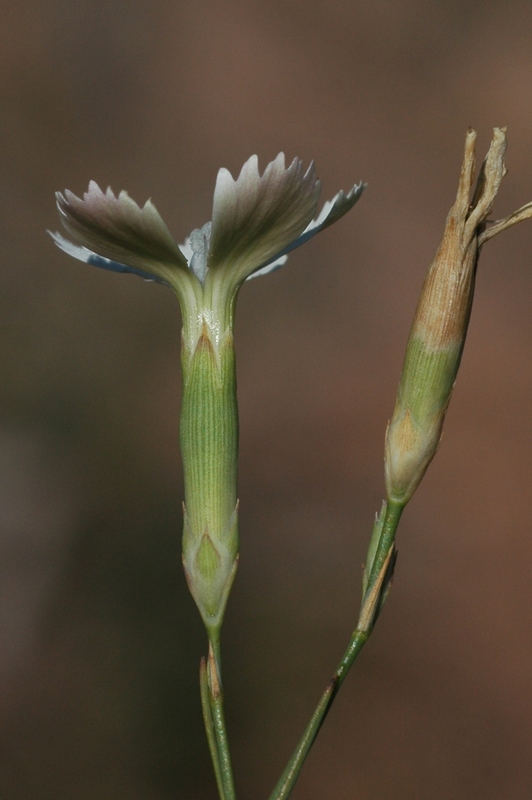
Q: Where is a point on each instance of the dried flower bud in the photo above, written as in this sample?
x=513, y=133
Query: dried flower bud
x=440, y=325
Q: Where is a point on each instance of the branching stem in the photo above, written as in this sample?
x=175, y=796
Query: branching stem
x=377, y=584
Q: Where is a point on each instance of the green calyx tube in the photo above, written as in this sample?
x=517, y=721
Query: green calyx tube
x=209, y=447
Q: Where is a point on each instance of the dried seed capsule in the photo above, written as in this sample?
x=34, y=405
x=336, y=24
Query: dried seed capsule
x=440, y=325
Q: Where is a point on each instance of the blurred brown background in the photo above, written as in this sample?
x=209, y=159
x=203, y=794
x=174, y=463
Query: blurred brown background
x=100, y=641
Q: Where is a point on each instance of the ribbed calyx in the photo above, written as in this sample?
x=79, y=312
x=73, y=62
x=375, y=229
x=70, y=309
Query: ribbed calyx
x=209, y=447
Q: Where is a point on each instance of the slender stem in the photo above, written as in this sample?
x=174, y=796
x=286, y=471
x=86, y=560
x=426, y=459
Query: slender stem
x=386, y=540
x=218, y=718
x=291, y=773
x=209, y=726
x=376, y=587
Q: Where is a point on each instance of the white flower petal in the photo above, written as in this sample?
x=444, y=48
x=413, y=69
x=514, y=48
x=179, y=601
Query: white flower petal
x=198, y=243
x=186, y=249
x=332, y=211
x=255, y=217
x=88, y=257
x=115, y=228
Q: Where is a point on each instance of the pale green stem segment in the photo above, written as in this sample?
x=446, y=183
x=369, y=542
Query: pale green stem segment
x=378, y=575
x=209, y=725
x=216, y=697
x=213, y=717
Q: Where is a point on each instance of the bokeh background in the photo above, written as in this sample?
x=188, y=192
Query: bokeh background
x=99, y=641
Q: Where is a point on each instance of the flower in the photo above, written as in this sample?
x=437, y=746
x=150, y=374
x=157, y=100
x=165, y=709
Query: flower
x=256, y=221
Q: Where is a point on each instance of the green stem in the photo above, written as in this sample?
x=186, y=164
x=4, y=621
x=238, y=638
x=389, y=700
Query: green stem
x=209, y=726
x=224, y=770
x=290, y=775
x=386, y=540
x=376, y=588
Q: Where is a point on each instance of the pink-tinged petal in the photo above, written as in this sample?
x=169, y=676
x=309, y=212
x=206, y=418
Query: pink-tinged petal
x=332, y=211
x=117, y=229
x=255, y=217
